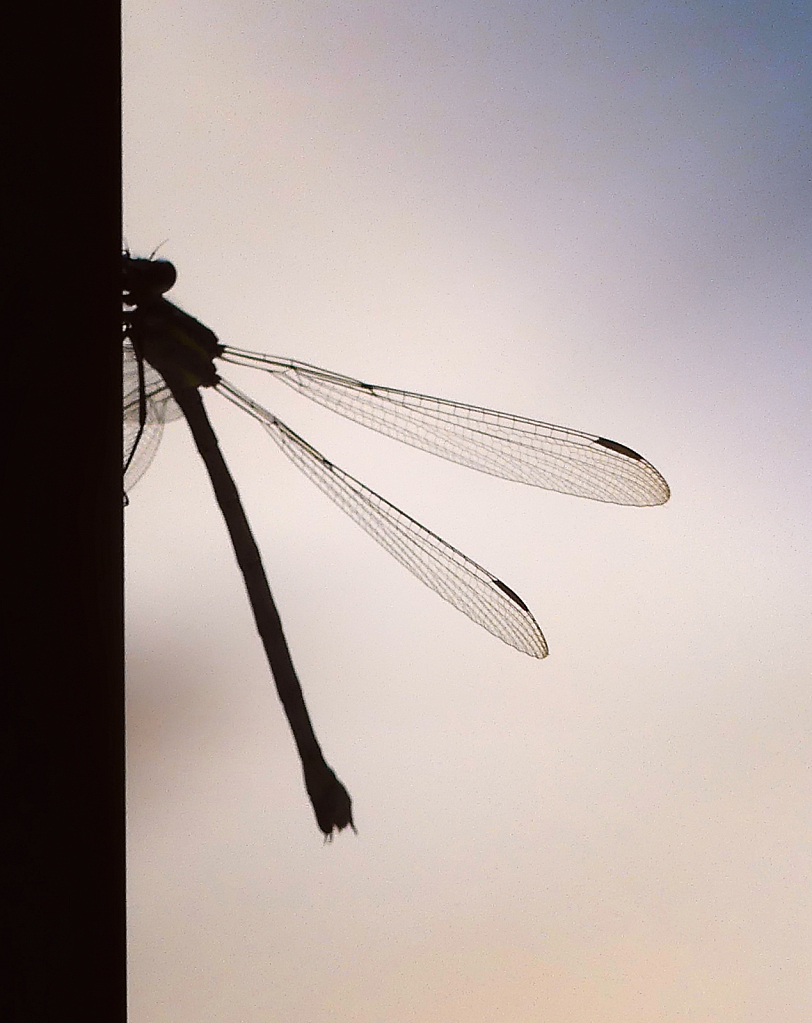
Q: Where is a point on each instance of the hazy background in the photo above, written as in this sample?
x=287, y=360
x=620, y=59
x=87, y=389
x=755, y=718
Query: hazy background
x=596, y=214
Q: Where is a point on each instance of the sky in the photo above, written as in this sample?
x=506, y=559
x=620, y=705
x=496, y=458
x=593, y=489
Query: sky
x=594, y=214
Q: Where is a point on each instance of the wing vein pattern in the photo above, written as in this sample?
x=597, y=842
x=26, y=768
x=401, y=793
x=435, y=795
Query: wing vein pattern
x=160, y=407
x=504, y=445
x=466, y=585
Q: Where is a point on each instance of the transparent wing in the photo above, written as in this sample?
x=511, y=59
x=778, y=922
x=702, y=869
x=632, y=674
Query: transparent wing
x=469, y=587
x=512, y=447
x=160, y=406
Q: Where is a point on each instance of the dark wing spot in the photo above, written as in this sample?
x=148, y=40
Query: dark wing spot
x=620, y=448
x=513, y=596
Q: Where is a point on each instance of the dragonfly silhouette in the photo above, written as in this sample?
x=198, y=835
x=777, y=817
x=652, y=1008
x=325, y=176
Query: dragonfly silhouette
x=169, y=355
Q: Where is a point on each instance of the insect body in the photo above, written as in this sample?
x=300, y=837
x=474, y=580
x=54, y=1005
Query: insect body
x=169, y=356
x=512, y=447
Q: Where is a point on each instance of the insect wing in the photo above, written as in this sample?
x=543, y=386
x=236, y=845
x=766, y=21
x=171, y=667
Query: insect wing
x=160, y=406
x=504, y=445
x=456, y=578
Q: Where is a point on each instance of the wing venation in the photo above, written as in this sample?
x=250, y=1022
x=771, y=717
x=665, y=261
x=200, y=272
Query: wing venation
x=511, y=447
x=471, y=588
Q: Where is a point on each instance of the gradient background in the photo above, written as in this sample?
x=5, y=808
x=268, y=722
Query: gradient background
x=596, y=214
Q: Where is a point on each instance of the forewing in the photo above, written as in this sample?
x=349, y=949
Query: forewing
x=512, y=447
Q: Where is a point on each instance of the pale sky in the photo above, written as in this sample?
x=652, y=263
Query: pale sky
x=595, y=214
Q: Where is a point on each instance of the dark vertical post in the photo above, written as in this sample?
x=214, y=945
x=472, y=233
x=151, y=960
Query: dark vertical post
x=63, y=677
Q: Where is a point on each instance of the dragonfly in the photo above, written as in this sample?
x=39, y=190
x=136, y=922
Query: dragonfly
x=168, y=356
